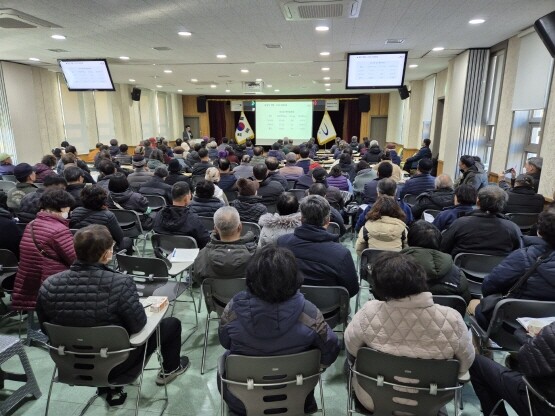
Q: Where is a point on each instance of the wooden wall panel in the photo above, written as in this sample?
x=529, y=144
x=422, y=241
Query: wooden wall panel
x=190, y=110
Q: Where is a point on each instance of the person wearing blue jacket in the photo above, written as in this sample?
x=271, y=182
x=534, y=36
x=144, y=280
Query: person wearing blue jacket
x=423, y=153
x=422, y=181
x=541, y=284
x=272, y=317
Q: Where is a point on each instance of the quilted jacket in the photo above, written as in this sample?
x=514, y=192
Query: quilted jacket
x=15, y=195
x=138, y=177
x=53, y=236
x=269, y=191
x=181, y=221
x=42, y=172
x=418, y=184
x=446, y=217
x=128, y=200
x=409, y=327
x=387, y=233
x=536, y=359
x=205, y=207
x=157, y=186
x=436, y=199
x=29, y=206
x=275, y=225
x=341, y=182
x=524, y=199
x=10, y=232
x=91, y=295
x=81, y=217
x=250, y=208
x=224, y=260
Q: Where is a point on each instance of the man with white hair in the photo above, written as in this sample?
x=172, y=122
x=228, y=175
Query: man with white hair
x=441, y=197
x=227, y=254
x=374, y=153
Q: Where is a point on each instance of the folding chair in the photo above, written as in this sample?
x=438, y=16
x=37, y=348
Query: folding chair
x=217, y=294
x=503, y=323
x=230, y=195
x=252, y=227
x=476, y=267
x=85, y=356
x=10, y=178
x=410, y=199
x=538, y=395
x=8, y=270
x=525, y=221
x=208, y=223
x=332, y=301
x=131, y=226
x=6, y=185
x=333, y=228
x=155, y=202
x=367, y=258
x=272, y=385
x=291, y=183
x=195, y=179
x=299, y=193
x=428, y=384
x=164, y=244
x=452, y=301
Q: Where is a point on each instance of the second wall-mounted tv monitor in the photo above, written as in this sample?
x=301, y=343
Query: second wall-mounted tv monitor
x=87, y=74
x=367, y=70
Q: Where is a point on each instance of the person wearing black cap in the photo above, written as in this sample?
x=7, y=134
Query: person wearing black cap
x=174, y=173
x=523, y=198
x=472, y=173
x=25, y=175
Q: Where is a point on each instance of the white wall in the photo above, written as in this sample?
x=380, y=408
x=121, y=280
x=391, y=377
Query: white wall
x=395, y=119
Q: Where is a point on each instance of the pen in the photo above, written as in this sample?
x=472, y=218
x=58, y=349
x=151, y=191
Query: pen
x=146, y=306
x=173, y=253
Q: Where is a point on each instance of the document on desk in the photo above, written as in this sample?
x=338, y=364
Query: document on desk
x=183, y=255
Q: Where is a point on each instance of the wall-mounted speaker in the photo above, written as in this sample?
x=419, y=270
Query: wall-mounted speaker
x=364, y=103
x=404, y=93
x=201, y=104
x=136, y=94
x=545, y=26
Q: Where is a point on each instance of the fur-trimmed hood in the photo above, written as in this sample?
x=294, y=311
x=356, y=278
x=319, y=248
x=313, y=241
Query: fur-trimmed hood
x=280, y=221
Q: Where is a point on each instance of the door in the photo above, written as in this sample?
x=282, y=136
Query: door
x=437, y=129
x=378, y=129
x=195, y=126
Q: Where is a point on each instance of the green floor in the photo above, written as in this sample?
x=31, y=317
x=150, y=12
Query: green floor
x=190, y=394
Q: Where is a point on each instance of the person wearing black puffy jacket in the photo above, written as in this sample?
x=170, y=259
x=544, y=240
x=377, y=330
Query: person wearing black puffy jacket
x=535, y=360
x=91, y=294
x=204, y=203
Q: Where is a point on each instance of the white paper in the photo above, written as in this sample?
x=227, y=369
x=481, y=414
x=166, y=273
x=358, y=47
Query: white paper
x=428, y=217
x=184, y=255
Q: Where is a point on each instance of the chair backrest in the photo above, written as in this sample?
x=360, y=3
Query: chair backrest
x=424, y=374
x=273, y=385
x=21, y=225
x=129, y=222
x=332, y=301
x=524, y=220
x=218, y=292
x=433, y=212
x=230, y=195
x=250, y=226
x=208, y=223
x=163, y=244
x=477, y=266
x=155, y=202
x=333, y=228
x=410, y=199
x=452, y=301
x=6, y=185
x=10, y=178
x=299, y=193
x=8, y=269
x=367, y=258
x=142, y=266
x=503, y=321
x=85, y=356
x=291, y=183
x=271, y=208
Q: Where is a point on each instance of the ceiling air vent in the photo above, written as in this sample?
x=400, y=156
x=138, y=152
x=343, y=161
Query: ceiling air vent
x=394, y=41
x=14, y=19
x=322, y=9
x=162, y=48
x=57, y=50
x=272, y=45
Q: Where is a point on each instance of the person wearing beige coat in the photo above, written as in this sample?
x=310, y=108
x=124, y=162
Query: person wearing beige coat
x=406, y=322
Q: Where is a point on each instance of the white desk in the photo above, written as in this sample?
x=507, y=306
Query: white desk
x=178, y=267
x=152, y=322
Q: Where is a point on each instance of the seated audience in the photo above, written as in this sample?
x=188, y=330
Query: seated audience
x=157, y=186
x=291, y=170
x=74, y=178
x=227, y=178
x=248, y=203
x=212, y=151
x=156, y=159
x=374, y=154
x=46, y=248
x=177, y=219
x=484, y=230
x=540, y=285
x=533, y=167
x=275, y=152
x=258, y=156
x=121, y=196
x=6, y=164
x=321, y=259
x=364, y=174
x=114, y=148
x=439, y=198
x=393, y=153
x=107, y=170
x=304, y=161
x=523, y=198
x=91, y=294
x=94, y=210
x=45, y=168
x=11, y=233
x=192, y=159
x=465, y=199
x=272, y=317
x=422, y=181
x=268, y=189
x=25, y=175
x=71, y=150
x=140, y=174
x=284, y=221
x=213, y=175
x=123, y=158
x=337, y=179
x=244, y=170
x=385, y=170
x=397, y=173
x=443, y=277
x=179, y=155
x=227, y=254
x=472, y=173
x=424, y=153
x=403, y=320
x=30, y=203
x=273, y=172
x=204, y=163
x=385, y=227
x=331, y=196
x=354, y=143
x=174, y=173
x=347, y=166
x=535, y=360
x=204, y=203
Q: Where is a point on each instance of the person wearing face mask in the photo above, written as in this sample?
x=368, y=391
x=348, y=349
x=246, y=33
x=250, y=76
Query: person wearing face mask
x=45, y=249
x=99, y=296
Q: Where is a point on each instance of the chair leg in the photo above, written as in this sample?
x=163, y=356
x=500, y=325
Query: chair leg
x=322, y=396
x=50, y=392
x=205, y=344
x=161, y=361
x=194, y=306
x=200, y=301
x=141, y=379
x=31, y=381
x=89, y=403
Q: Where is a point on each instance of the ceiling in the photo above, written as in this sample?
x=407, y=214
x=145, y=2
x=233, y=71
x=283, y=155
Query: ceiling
x=241, y=28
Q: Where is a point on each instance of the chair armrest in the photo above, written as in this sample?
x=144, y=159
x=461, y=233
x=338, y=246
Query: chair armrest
x=477, y=329
x=221, y=365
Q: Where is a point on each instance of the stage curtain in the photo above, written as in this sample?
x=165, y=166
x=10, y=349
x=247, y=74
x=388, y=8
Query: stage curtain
x=352, y=127
x=216, y=116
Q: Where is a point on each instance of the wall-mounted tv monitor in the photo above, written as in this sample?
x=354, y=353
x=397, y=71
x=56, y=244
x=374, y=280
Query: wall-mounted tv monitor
x=366, y=70
x=87, y=74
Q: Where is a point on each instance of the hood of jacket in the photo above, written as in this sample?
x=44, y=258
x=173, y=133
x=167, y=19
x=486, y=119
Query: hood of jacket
x=435, y=263
x=273, y=320
x=385, y=229
x=230, y=257
x=375, y=150
x=249, y=200
x=172, y=216
x=280, y=221
x=121, y=197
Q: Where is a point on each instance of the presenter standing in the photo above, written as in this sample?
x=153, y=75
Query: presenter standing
x=187, y=134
